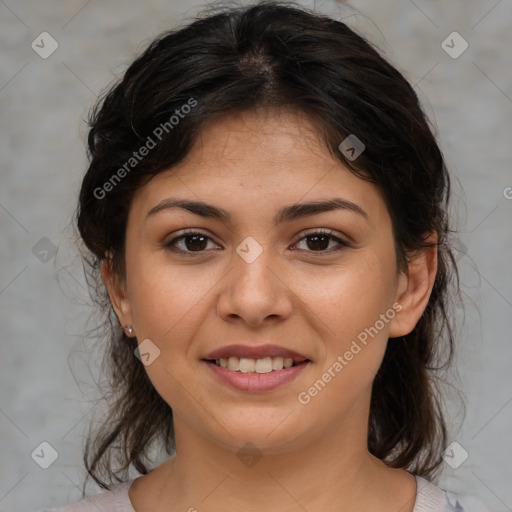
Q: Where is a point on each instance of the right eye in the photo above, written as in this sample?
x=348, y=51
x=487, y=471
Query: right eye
x=189, y=242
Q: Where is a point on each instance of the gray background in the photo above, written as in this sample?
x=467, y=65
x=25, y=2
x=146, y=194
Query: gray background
x=46, y=389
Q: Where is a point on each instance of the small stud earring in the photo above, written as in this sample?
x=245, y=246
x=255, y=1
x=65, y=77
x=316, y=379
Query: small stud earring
x=128, y=329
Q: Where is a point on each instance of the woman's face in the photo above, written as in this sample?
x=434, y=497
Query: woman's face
x=252, y=278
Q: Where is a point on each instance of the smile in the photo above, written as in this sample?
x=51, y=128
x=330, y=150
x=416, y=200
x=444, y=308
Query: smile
x=263, y=365
x=255, y=368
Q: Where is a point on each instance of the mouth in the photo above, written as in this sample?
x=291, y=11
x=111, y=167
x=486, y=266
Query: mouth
x=260, y=365
x=255, y=358
x=256, y=368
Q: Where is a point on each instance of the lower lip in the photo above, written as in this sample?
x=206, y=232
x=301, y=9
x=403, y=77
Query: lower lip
x=253, y=382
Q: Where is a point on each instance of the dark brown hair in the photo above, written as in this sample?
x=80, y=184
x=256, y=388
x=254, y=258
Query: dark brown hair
x=277, y=56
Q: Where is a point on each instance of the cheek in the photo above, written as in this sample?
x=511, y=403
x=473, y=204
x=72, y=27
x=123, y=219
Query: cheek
x=351, y=298
x=354, y=341
x=350, y=307
x=168, y=302
x=167, y=306
x=157, y=300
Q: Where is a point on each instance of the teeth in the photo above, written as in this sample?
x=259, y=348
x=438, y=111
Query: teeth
x=263, y=365
x=277, y=363
x=246, y=365
x=233, y=364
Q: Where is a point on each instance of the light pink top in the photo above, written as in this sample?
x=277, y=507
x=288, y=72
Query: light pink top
x=429, y=498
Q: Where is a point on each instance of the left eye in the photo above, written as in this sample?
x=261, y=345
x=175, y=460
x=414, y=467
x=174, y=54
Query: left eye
x=196, y=242
x=319, y=241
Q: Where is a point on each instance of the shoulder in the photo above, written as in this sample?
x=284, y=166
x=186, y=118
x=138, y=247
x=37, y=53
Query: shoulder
x=116, y=500
x=431, y=498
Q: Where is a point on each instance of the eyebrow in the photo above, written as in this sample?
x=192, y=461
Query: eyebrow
x=285, y=214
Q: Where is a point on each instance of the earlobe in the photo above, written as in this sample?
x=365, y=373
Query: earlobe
x=117, y=292
x=414, y=289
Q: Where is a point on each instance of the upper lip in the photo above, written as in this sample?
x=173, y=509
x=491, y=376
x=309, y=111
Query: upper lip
x=255, y=352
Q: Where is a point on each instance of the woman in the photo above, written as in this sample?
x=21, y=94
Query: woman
x=266, y=206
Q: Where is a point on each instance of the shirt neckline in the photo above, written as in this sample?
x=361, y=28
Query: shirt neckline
x=429, y=497
x=122, y=498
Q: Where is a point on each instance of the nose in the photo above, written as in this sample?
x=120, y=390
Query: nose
x=255, y=291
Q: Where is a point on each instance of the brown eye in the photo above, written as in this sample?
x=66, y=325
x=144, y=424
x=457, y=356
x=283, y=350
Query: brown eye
x=320, y=241
x=190, y=242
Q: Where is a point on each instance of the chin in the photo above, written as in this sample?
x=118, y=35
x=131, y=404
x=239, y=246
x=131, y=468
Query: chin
x=269, y=431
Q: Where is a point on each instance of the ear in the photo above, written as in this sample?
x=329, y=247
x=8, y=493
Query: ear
x=414, y=289
x=116, y=288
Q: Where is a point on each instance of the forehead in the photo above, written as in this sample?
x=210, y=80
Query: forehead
x=260, y=158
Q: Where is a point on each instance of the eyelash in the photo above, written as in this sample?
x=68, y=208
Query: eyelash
x=328, y=233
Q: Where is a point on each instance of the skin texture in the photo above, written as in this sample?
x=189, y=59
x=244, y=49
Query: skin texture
x=313, y=456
